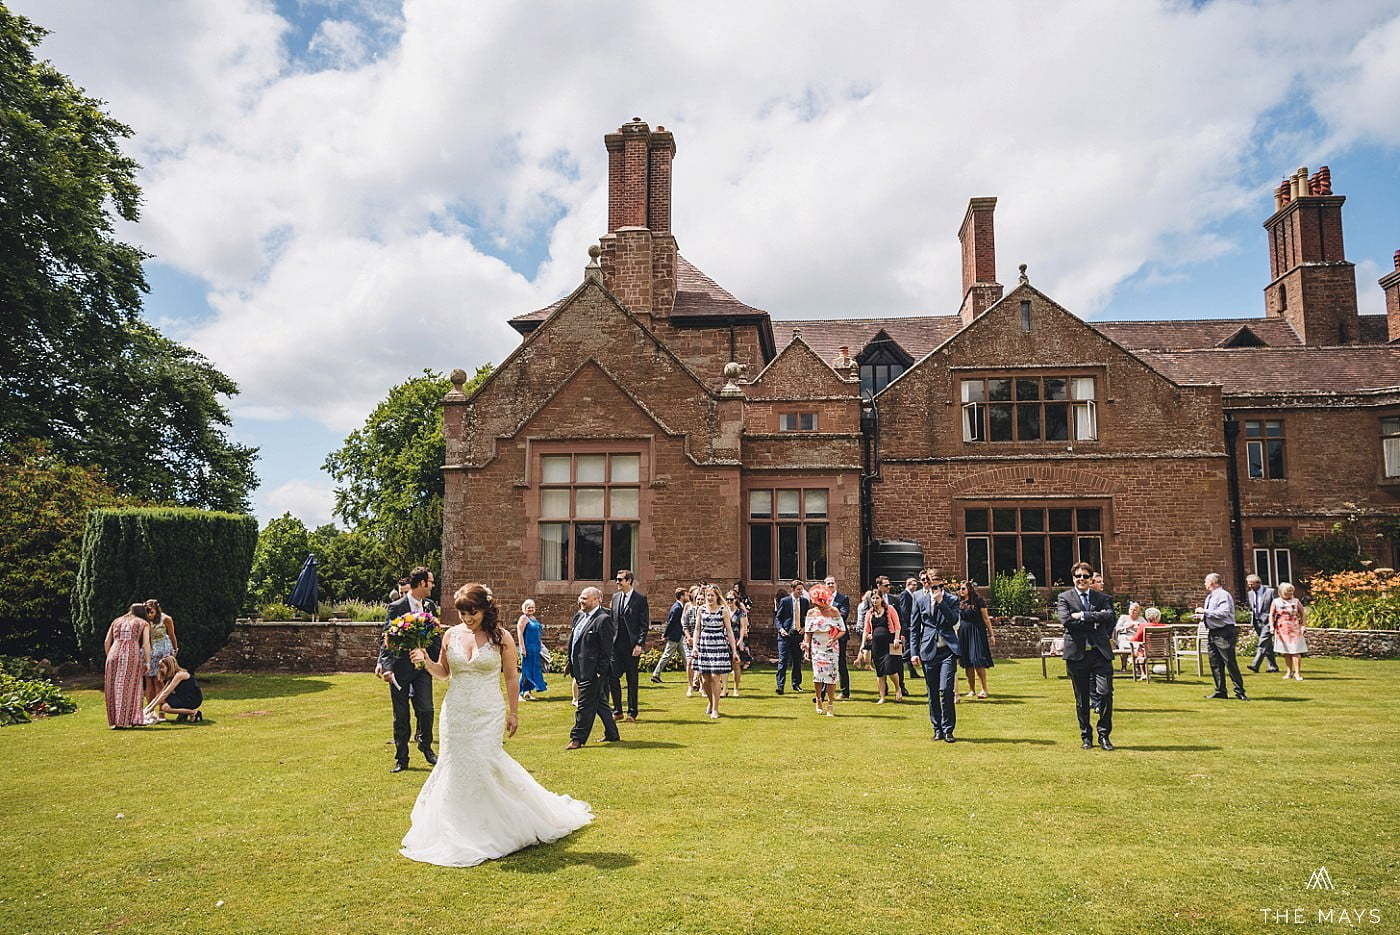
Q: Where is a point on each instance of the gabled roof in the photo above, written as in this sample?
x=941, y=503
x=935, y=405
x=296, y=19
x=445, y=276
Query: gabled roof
x=799, y=356
x=1243, y=371
x=698, y=298
x=916, y=335
x=1244, y=336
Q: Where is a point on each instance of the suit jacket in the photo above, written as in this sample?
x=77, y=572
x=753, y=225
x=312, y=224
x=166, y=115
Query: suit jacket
x=1093, y=630
x=903, y=604
x=784, y=619
x=674, y=631
x=632, y=623
x=591, y=655
x=399, y=663
x=842, y=603
x=1259, y=603
x=931, y=619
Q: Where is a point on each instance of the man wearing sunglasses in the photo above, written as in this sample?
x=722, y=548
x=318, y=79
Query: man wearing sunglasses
x=933, y=643
x=632, y=616
x=1088, y=618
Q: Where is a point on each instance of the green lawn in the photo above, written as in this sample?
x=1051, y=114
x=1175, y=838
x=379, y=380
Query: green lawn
x=769, y=820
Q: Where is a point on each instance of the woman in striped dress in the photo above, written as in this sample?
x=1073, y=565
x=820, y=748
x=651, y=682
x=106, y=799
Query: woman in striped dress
x=128, y=649
x=716, y=653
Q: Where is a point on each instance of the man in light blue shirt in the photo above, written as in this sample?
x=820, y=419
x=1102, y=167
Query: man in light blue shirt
x=1218, y=615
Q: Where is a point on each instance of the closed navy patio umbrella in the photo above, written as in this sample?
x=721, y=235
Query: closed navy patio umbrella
x=304, y=593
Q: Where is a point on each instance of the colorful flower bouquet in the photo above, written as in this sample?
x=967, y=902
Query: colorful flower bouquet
x=411, y=631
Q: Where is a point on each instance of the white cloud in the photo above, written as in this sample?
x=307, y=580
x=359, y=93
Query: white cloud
x=311, y=503
x=341, y=207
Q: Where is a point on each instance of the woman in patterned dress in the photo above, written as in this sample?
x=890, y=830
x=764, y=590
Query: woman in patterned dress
x=739, y=623
x=823, y=629
x=716, y=653
x=1286, y=615
x=163, y=643
x=128, y=649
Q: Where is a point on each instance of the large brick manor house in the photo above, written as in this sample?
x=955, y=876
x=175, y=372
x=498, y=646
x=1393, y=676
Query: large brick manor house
x=652, y=420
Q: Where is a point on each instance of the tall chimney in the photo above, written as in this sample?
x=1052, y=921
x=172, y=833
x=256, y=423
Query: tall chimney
x=639, y=251
x=1391, y=284
x=1312, y=286
x=979, y=259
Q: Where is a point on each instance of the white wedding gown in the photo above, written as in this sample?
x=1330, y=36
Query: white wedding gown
x=478, y=803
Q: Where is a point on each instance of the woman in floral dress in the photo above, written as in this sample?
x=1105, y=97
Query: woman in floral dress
x=1286, y=614
x=128, y=649
x=824, y=627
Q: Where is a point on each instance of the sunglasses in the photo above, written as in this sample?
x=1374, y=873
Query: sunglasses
x=1085, y=577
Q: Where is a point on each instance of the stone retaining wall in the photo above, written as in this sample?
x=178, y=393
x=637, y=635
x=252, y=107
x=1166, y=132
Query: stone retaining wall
x=340, y=646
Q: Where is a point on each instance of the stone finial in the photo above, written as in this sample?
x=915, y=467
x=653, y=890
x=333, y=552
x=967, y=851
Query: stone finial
x=1024, y=279
x=732, y=372
x=593, y=272
x=459, y=379
x=796, y=333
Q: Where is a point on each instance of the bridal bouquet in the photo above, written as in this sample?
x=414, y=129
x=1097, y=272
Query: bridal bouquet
x=411, y=631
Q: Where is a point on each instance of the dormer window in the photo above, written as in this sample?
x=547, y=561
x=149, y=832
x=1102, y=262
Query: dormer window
x=881, y=362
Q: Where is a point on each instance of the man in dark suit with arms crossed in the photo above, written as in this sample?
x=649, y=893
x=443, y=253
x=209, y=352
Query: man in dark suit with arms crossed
x=591, y=639
x=632, y=617
x=408, y=684
x=1088, y=618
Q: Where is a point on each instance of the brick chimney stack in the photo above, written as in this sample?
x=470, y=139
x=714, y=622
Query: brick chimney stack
x=979, y=259
x=1391, y=284
x=639, y=251
x=1312, y=286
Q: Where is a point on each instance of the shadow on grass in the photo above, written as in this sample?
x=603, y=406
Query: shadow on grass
x=1030, y=740
x=1117, y=709
x=642, y=744
x=1168, y=747
x=1277, y=698
x=547, y=858
x=227, y=686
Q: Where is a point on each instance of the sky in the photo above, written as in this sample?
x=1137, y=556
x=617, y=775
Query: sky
x=341, y=193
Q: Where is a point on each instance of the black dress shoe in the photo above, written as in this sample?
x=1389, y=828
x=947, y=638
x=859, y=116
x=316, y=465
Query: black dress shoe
x=949, y=738
x=656, y=679
x=938, y=735
x=1105, y=743
x=780, y=691
x=429, y=755
x=1241, y=696
x=1274, y=670
x=1088, y=745
x=398, y=767
x=1252, y=668
x=1217, y=695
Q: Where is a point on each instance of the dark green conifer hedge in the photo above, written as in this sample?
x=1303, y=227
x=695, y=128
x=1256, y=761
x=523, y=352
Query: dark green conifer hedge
x=195, y=562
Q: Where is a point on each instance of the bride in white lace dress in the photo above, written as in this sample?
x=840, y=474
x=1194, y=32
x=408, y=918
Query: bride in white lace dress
x=478, y=803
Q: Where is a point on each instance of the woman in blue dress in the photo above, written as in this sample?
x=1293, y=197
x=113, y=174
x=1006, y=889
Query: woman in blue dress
x=976, y=638
x=528, y=630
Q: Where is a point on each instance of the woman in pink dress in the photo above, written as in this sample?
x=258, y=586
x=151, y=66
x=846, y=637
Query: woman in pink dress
x=128, y=648
x=1286, y=616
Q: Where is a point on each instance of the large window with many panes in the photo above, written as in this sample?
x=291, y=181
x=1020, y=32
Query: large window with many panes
x=589, y=511
x=1273, y=561
x=788, y=533
x=1390, y=446
x=1030, y=409
x=1044, y=539
x=1263, y=446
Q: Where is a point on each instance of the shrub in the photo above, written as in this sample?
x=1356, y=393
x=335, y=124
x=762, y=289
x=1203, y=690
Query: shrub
x=22, y=667
x=651, y=657
x=359, y=611
x=1355, y=600
x=276, y=611
x=22, y=699
x=196, y=562
x=1013, y=595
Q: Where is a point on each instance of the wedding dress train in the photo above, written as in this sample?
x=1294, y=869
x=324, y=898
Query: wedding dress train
x=478, y=803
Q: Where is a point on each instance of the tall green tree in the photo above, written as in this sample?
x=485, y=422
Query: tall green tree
x=43, y=507
x=390, y=471
x=282, y=546
x=79, y=370
x=352, y=566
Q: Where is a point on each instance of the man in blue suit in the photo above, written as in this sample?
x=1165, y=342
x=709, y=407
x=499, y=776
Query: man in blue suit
x=933, y=643
x=789, y=621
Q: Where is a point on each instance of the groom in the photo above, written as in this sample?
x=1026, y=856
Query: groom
x=591, y=637
x=409, y=684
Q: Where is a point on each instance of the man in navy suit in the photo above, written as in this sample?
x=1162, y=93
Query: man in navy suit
x=789, y=621
x=1088, y=618
x=1261, y=598
x=592, y=638
x=933, y=641
x=410, y=685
